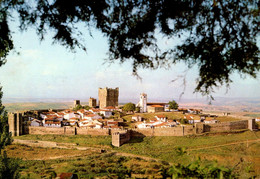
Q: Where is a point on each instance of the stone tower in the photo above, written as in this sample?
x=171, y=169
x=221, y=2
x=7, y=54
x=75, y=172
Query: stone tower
x=15, y=123
x=142, y=103
x=108, y=97
x=92, y=102
x=76, y=102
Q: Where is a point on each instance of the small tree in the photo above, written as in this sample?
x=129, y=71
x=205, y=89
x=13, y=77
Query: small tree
x=8, y=167
x=129, y=107
x=86, y=107
x=173, y=105
x=78, y=107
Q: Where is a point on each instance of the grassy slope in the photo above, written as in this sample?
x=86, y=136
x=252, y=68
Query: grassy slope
x=88, y=165
x=165, y=148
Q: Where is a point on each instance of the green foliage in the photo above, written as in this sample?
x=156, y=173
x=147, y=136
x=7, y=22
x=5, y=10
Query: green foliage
x=86, y=107
x=184, y=121
x=129, y=107
x=197, y=170
x=8, y=167
x=137, y=109
x=217, y=36
x=5, y=136
x=173, y=105
x=6, y=43
x=77, y=107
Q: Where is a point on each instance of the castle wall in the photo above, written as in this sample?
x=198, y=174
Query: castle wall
x=226, y=126
x=173, y=131
x=66, y=131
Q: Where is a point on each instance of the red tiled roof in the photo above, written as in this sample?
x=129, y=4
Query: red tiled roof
x=90, y=115
x=156, y=106
x=110, y=107
x=52, y=122
x=161, y=116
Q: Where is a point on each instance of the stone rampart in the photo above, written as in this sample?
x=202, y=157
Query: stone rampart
x=226, y=126
x=82, y=131
x=173, y=131
x=66, y=131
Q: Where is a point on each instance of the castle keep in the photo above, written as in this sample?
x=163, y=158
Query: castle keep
x=108, y=97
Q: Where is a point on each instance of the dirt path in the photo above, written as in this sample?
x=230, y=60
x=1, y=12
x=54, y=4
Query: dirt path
x=233, y=143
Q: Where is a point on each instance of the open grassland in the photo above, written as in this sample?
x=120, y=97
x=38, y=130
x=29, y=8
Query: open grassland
x=234, y=150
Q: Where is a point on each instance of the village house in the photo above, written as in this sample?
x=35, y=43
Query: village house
x=257, y=119
x=81, y=112
x=71, y=114
x=191, y=119
x=90, y=124
x=106, y=113
x=110, y=108
x=36, y=123
x=94, y=110
x=137, y=118
x=52, y=123
x=155, y=108
x=162, y=118
x=210, y=121
x=92, y=117
x=73, y=121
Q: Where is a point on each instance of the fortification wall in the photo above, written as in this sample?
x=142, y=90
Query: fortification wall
x=66, y=131
x=82, y=131
x=173, y=131
x=226, y=126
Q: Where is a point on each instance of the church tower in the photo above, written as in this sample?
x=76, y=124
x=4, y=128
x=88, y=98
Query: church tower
x=142, y=103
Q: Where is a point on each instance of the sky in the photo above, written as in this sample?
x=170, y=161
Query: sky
x=46, y=70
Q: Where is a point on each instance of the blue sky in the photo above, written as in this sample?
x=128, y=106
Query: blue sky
x=46, y=70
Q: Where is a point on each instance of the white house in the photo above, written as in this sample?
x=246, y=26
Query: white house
x=106, y=113
x=210, y=121
x=137, y=118
x=149, y=125
x=52, y=124
x=161, y=118
x=81, y=112
x=71, y=115
x=92, y=117
x=90, y=124
x=36, y=122
x=257, y=119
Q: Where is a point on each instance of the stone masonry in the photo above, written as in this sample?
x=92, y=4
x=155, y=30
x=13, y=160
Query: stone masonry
x=15, y=122
x=120, y=138
x=92, y=102
x=108, y=97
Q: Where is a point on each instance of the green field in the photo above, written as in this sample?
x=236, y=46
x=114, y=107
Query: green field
x=12, y=107
x=239, y=151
